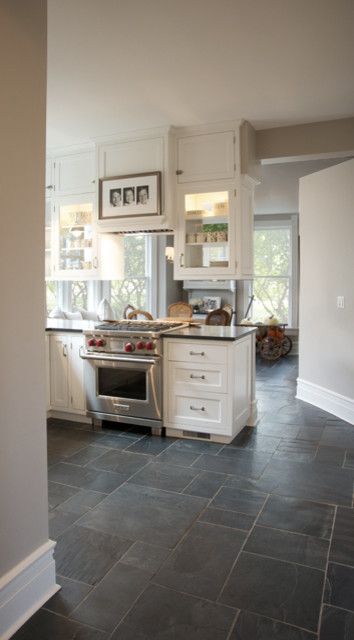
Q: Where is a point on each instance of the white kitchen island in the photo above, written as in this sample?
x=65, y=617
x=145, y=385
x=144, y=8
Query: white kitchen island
x=209, y=382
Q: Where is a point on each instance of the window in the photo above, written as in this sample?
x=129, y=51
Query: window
x=275, y=269
x=136, y=288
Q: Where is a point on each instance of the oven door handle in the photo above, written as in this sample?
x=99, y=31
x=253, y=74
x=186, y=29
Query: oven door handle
x=104, y=356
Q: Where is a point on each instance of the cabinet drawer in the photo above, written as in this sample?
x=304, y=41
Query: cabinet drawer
x=199, y=413
x=208, y=378
x=196, y=351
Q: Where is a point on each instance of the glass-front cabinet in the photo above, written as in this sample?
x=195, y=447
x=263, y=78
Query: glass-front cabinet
x=205, y=242
x=75, y=234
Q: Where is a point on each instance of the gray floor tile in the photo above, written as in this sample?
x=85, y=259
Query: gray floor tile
x=349, y=459
x=340, y=586
x=330, y=455
x=120, y=462
x=206, y=484
x=87, y=454
x=312, y=434
x=227, y=518
x=58, y=493
x=337, y=624
x=342, y=547
x=338, y=437
x=249, y=438
x=107, y=603
x=173, y=455
x=85, y=478
x=145, y=514
x=197, y=446
x=292, y=547
x=46, y=625
x=201, y=563
x=286, y=592
x=236, y=462
x=116, y=442
x=59, y=521
x=167, y=615
x=165, y=476
x=69, y=596
x=82, y=501
x=299, y=516
x=148, y=557
x=318, y=482
x=151, y=445
x=87, y=555
x=249, y=626
x=248, y=502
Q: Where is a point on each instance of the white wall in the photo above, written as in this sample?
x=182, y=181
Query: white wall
x=278, y=191
x=327, y=271
x=23, y=467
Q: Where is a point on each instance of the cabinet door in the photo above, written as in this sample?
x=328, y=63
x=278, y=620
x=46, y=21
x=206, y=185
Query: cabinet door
x=76, y=377
x=209, y=156
x=75, y=173
x=206, y=236
x=49, y=177
x=131, y=157
x=75, y=238
x=59, y=396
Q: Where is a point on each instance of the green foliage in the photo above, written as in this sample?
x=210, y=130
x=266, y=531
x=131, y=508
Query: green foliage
x=133, y=289
x=272, y=251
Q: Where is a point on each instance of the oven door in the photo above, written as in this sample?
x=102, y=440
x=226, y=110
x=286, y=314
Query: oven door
x=129, y=388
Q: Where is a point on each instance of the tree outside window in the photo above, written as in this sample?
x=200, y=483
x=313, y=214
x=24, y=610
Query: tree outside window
x=273, y=269
x=134, y=288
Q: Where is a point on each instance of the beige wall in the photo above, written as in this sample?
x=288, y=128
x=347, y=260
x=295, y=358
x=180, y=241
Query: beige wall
x=327, y=271
x=23, y=482
x=313, y=139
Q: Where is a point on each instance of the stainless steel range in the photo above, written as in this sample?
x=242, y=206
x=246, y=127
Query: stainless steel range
x=123, y=371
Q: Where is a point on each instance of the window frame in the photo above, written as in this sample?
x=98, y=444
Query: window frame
x=281, y=221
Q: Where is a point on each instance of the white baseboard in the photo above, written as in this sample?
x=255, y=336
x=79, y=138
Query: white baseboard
x=25, y=588
x=340, y=406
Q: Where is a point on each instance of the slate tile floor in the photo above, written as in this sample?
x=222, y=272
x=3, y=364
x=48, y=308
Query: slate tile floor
x=182, y=539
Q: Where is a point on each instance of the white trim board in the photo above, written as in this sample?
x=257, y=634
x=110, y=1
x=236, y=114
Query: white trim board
x=341, y=406
x=25, y=588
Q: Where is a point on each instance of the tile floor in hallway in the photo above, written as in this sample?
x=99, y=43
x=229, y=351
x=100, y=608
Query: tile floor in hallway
x=162, y=539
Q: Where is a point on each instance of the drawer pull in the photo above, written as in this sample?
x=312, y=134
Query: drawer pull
x=196, y=408
x=196, y=353
x=196, y=377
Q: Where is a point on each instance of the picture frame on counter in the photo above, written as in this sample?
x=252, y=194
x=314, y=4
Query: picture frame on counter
x=130, y=196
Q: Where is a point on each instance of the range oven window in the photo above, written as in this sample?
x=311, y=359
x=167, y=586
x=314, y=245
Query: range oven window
x=122, y=383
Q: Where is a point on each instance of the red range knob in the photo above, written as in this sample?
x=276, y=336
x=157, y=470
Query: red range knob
x=140, y=345
x=128, y=347
x=149, y=346
x=91, y=342
x=100, y=343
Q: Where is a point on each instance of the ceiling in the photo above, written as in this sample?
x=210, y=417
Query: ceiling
x=118, y=65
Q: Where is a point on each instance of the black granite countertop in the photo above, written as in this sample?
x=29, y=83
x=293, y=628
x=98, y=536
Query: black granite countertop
x=74, y=326
x=207, y=332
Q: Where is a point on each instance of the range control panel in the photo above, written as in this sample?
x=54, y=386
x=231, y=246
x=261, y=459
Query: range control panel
x=122, y=344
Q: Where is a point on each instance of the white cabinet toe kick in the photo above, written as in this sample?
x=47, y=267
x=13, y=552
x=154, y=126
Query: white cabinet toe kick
x=209, y=387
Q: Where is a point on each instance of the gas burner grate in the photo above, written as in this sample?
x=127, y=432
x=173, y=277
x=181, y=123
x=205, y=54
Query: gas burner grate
x=137, y=325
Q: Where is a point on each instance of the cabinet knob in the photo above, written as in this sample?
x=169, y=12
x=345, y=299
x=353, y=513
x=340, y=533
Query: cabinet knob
x=50, y=186
x=179, y=172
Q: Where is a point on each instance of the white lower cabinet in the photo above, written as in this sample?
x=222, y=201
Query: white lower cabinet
x=208, y=387
x=66, y=373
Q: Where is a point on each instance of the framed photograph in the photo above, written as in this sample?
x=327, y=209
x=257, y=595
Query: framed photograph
x=211, y=302
x=130, y=196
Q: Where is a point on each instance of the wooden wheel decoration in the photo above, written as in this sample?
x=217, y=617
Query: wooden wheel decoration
x=270, y=349
x=286, y=345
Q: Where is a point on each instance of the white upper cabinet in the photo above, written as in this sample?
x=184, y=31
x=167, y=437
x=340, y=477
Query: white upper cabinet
x=214, y=230
x=206, y=156
x=74, y=173
x=129, y=155
x=49, y=177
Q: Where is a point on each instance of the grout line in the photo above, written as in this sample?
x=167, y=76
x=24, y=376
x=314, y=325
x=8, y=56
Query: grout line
x=297, y=564
x=228, y=637
x=242, y=548
x=326, y=571
x=334, y=606
x=61, y=615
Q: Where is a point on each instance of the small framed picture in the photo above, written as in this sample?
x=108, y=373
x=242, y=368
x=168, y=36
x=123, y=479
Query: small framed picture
x=130, y=196
x=211, y=302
